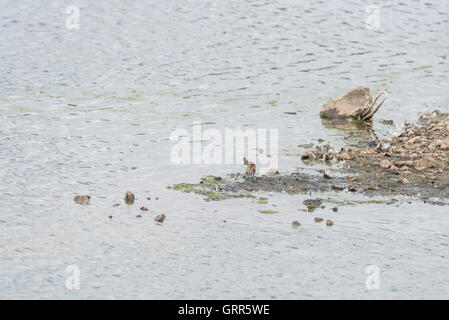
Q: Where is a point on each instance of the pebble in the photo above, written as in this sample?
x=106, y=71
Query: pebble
x=385, y=164
x=160, y=218
x=82, y=199
x=318, y=219
x=129, y=198
x=329, y=222
x=144, y=208
x=296, y=224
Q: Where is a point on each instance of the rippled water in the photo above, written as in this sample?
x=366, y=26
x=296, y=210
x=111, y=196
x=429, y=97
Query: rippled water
x=90, y=111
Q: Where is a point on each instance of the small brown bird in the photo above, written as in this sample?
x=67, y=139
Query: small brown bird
x=250, y=168
x=160, y=218
x=129, y=197
x=82, y=199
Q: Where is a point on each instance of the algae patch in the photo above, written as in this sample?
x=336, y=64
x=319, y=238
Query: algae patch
x=211, y=188
x=268, y=211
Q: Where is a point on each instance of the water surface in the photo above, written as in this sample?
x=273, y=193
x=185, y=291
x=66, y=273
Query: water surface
x=90, y=111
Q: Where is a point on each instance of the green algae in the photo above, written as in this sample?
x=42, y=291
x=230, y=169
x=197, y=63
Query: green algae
x=268, y=211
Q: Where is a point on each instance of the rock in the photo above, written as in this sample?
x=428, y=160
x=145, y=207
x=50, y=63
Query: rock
x=160, y=218
x=385, y=164
x=82, y=199
x=144, y=208
x=129, y=198
x=309, y=155
x=356, y=104
x=335, y=209
x=329, y=222
x=296, y=224
x=343, y=156
x=326, y=176
x=404, y=181
x=312, y=202
x=318, y=220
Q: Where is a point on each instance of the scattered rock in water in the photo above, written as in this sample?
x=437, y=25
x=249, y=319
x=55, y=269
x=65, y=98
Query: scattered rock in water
x=160, y=218
x=329, y=222
x=144, y=208
x=318, y=220
x=129, y=198
x=138, y=216
x=357, y=104
x=116, y=205
x=326, y=176
x=296, y=224
x=82, y=199
x=335, y=209
x=387, y=122
x=313, y=202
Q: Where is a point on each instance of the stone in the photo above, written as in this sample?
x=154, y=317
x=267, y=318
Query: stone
x=356, y=104
x=82, y=199
x=296, y=224
x=385, y=164
x=129, y=198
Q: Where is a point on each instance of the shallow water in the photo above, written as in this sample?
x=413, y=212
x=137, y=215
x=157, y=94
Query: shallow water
x=90, y=111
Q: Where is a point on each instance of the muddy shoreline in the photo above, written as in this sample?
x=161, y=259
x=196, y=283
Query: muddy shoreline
x=415, y=164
